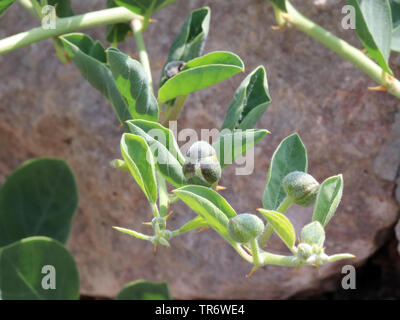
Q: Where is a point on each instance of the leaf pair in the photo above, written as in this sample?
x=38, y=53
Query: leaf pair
x=122, y=81
x=37, y=201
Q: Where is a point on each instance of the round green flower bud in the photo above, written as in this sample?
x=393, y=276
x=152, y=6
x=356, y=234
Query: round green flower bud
x=172, y=68
x=202, y=166
x=160, y=221
x=301, y=188
x=245, y=227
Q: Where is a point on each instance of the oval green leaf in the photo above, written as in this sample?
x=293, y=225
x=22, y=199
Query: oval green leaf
x=374, y=29
x=167, y=156
x=281, y=225
x=38, y=268
x=79, y=48
x=190, y=41
x=291, y=155
x=38, y=198
x=250, y=101
x=208, y=204
x=133, y=84
x=231, y=145
x=201, y=73
x=144, y=7
x=328, y=199
x=139, y=159
x=4, y=5
x=145, y=290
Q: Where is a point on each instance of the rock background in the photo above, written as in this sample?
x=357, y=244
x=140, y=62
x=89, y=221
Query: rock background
x=48, y=109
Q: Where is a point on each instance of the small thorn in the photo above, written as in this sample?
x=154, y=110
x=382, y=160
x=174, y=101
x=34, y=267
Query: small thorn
x=168, y=215
x=155, y=248
x=218, y=188
x=318, y=267
x=202, y=229
x=297, y=268
x=279, y=27
x=285, y=16
x=378, y=88
x=153, y=20
x=120, y=126
x=363, y=50
x=248, y=250
x=252, y=272
x=147, y=223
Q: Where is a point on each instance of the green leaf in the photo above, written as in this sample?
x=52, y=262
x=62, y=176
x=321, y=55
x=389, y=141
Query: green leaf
x=201, y=73
x=4, y=5
x=231, y=145
x=133, y=84
x=144, y=7
x=208, y=204
x=281, y=4
x=84, y=52
x=374, y=29
x=139, y=159
x=328, y=199
x=25, y=264
x=117, y=32
x=190, y=41
x=250, y=101
x=168, y=158
x=134, y=233
x=291, y=155
x=395, y=8
x=144, y=290
x=313, y=233
x=63, y=7
x=193, y=224
x=281, y=225
x=38, y=198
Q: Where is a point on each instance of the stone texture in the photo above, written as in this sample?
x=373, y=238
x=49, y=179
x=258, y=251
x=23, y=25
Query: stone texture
x=47, y=109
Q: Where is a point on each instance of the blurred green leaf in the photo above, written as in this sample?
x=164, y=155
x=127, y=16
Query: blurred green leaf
x=190, y=41
x=38, y=198
x=328, y=199
x=139, y=159
x=26, y=267
x=231, y=145
x=144, y=7
x=374, y=29
x=166, y=153
x=193, y=224
x=85, y=53
x=201, y=73
x=4, y=5
x=117, y=32
x=281, y=4
x=133, y=84
x=208, y=204
x=63, y=7
x=291, y=155
x=250, y=101
x=395, y=8
x=144, y=290
x=281, y=225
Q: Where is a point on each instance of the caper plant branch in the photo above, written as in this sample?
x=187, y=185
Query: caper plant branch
x=174, y=111
x=293, y=18
x=268, y=231
x=67, y=25
x=138, y=27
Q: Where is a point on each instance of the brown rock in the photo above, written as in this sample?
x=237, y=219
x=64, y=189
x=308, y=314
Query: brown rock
x=48, y=109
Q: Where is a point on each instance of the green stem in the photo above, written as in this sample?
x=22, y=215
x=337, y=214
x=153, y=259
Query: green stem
x=175, y=110
x=163, y=195
x=342, y=48
x=155, y=209
x=242, y=253
x=268, y=230
x=255, y=252
x=66, y=25
x=27, y=4
x=137, y=27
x=277, y=259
